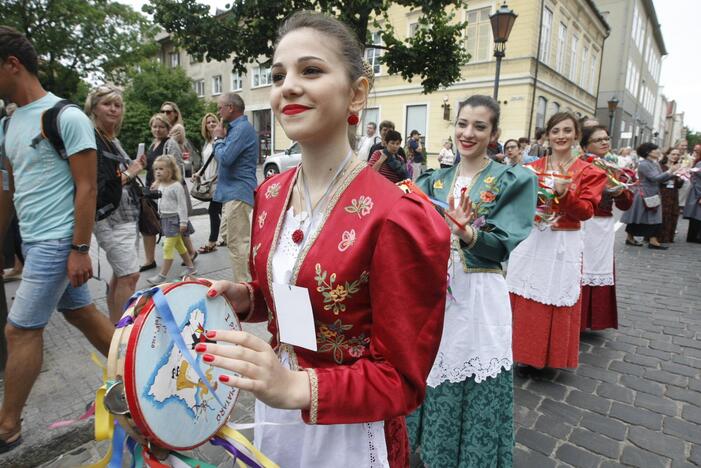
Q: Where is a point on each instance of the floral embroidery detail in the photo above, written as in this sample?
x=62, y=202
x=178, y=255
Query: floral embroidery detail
x=272, y=191
x=261, y=219
x=438, y=184
x=360, y=206
x=335, y=295
x=347, y=240
x=487, y=196
x=480, y=209
x=332, y=338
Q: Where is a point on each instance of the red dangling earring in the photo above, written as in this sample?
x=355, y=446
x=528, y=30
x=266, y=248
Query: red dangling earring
x=353, y=119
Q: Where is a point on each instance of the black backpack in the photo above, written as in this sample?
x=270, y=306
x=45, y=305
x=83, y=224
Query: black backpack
x=109, y=177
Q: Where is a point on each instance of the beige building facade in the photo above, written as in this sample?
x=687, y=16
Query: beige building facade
x=631, y=71
x=552, y=63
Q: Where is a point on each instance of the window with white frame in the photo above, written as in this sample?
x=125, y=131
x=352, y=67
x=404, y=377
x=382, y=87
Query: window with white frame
x=216, y=85
x=174, y=59
x=416, y=116
x=371, y=114
x=584, y=70
x=479, y=35
x=198, y=86
x=545, y=33
x=236, y=81
x=413, y=27
x=574, y=44
x=541, y=111
x=261, y=77
x=629, y=75
x=372, y=54
x=592, y=73
x=562, y=42
x=636, y=19
x=554, y=108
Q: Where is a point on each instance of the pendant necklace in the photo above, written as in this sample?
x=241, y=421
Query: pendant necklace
x=299, y=235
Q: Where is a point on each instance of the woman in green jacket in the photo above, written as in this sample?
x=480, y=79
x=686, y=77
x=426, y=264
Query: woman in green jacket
x=466, y=419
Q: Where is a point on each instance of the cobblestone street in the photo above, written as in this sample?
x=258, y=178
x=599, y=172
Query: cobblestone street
x=634, y=400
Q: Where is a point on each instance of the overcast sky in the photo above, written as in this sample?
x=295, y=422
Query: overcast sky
x=681, y=68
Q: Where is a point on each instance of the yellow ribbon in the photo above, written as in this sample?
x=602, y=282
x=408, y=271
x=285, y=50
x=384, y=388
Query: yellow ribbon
x=104, y=421
x=240, y=440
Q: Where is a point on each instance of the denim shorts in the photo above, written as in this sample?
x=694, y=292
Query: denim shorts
x=45, y=285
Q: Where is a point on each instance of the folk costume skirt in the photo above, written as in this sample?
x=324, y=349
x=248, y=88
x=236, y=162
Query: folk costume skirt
x=599, y=310
x=545, y=283
x=466, y=424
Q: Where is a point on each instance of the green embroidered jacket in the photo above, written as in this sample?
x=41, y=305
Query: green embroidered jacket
x=504, y=201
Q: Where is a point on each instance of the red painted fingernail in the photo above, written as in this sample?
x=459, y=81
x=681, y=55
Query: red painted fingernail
x=211, y=293
x=223, y=378
x=207, y=358
x=210, y=334
x=199, y=347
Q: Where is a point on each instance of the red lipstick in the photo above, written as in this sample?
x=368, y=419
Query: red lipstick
x=293, y=109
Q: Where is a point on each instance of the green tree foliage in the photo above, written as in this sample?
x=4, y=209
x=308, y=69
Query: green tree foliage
x=248, y=30
x=77, y=39
x=692, y=137
x=149, y=86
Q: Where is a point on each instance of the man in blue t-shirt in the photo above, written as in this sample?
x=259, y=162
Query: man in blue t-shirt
x=55, y=204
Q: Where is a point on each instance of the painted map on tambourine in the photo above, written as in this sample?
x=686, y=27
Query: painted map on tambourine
x=179, y=408
x=174, y=382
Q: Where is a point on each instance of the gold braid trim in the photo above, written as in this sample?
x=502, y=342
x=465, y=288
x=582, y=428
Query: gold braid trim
x=314, y=387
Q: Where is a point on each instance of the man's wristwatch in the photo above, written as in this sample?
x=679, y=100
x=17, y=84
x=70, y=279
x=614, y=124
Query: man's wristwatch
x=81, y=248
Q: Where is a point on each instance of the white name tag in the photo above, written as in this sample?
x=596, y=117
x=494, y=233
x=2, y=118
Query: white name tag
x=295, y=317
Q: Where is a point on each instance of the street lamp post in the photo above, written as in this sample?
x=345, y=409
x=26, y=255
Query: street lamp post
x=502, y=21
x=613, y=104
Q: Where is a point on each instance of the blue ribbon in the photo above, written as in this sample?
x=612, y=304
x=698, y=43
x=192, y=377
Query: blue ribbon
x=118, y=438
x=163, y=309
x=238, y=454
x=439, y=203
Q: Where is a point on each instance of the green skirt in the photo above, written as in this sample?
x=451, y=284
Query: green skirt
x=466, y=424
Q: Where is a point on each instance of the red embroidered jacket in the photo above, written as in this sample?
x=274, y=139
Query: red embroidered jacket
x=582, y=197
x=377, y=278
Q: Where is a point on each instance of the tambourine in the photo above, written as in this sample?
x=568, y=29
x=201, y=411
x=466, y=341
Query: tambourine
x=159, y=390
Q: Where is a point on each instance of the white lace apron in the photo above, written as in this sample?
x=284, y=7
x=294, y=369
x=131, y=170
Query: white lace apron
x=294, y=443
x=547, y=267
x=597, y=260
x=476, y=339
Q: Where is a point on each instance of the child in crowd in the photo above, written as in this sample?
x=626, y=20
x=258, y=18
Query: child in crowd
x=173, y=210
x=387, y=161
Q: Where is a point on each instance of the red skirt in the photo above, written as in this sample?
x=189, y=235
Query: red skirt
x=545, y=335
x=599, y=309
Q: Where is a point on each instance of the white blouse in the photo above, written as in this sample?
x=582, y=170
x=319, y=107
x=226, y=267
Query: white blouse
x=282, y=435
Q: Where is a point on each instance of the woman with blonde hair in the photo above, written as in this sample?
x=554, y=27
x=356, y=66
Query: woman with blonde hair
x=116, y=233
x=162, y=144
x=209, y=123
x=172, y=112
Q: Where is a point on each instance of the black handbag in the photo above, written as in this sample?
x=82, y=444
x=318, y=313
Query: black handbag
x=149, y=219
x=203, y=190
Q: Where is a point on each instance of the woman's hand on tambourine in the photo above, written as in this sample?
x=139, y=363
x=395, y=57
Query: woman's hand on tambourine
x=235, y=293
x=260, y=371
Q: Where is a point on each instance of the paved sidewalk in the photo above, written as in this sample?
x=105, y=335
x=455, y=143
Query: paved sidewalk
x=69, y=379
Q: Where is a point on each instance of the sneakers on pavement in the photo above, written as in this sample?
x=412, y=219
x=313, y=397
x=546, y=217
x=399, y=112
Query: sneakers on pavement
x=156, y=280
x=189, y=271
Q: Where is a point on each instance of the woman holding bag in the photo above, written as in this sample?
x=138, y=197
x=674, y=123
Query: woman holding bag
x=207, y=177
x=644, y=218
